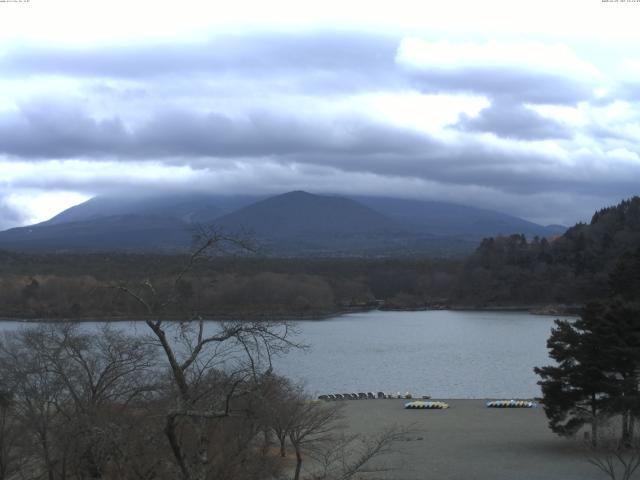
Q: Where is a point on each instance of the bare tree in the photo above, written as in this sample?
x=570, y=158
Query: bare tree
x=102, y=373
x=195, y=352
x=316, y=430
x=37, y=392
x=312, y=424
x=280, y=401
x=617, y=458
x=69, y=391
x=351, y=455
x=10, y=435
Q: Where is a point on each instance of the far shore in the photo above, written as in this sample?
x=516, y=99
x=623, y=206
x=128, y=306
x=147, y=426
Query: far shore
x=542, y=310
x=469, y=441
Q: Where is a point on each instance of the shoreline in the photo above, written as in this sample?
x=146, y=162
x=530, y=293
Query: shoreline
x=536, y=400
x=541, y=310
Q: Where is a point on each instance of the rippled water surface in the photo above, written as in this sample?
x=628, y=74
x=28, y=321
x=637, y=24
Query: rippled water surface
x=446, y=354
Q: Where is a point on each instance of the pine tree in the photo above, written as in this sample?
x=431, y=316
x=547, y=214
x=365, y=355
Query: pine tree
x=617, y=329
x=598, y=369
x=624, y=280
x=576, y=390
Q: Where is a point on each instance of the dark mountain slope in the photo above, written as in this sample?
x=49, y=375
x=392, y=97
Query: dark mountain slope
x=442, y=218
x=192, y=208
x=295, y=223
x=117, y=232
x=301, y=214
x=300, y=223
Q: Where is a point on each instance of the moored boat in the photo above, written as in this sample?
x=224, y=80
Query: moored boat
x=511, y=404
x=419, y=404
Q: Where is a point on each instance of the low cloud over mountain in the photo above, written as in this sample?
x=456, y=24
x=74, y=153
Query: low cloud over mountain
x=545, y=128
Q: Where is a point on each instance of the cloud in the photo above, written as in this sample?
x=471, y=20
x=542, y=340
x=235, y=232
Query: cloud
x=332, y=60
x=545, y=199
x=528, y=72
x=529, y=56
x=524, y=157
x=514, y=121
x=513, y=125
x=327, y=61
x=503, y=82
x=45, y=130
x=54, y=130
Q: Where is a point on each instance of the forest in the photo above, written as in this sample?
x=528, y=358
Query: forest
x=504, y=272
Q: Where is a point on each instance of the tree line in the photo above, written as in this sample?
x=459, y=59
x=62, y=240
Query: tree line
x=84, y=287
x=505, y=271
x=571, y=269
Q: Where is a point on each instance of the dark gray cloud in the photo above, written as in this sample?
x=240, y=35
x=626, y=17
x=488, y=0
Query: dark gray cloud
x=265, y=133
x=512, y=84
x=473, y=164
x=349, y=144
x=48, y=130
x=328, y=60
x=515, y=121
x=55, y=130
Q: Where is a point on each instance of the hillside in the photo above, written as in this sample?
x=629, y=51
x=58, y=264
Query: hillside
x=291, y=224
x=116, y=232
x=509, y=271
x=191, y=208
x=302, y=223
x=301, y=214
x=441, y=218
x=574, y=267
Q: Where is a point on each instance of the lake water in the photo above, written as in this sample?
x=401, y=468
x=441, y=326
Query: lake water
x=445, y=354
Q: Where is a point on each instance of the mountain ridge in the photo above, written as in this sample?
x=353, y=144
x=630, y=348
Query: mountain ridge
x=297, y=223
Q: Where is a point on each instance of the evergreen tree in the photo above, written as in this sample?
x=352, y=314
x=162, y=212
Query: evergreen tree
x=617, y=329
x=575, y=390
x=597, y=371
x=624, y=281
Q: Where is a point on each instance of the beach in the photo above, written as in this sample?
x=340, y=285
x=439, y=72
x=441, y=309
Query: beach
x=470, y=441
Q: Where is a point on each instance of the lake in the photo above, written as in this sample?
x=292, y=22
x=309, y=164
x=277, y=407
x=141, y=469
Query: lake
x=442, y=353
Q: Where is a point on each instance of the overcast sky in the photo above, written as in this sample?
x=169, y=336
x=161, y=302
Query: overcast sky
x=530, y=108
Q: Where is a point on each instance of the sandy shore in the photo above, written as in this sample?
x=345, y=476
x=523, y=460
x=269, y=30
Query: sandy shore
x=469, y=441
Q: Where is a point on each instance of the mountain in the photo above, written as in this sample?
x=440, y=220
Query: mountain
x=294, y=223
x=302, y=223
x=300, y=214
x=440, y=218
x=198, y=208
x=115, y=232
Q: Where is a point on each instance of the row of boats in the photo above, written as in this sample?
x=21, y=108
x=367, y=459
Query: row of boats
x=493, y=404
x=426, y=405
x=367, y=396
x=511, y=404
x=421, y=404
